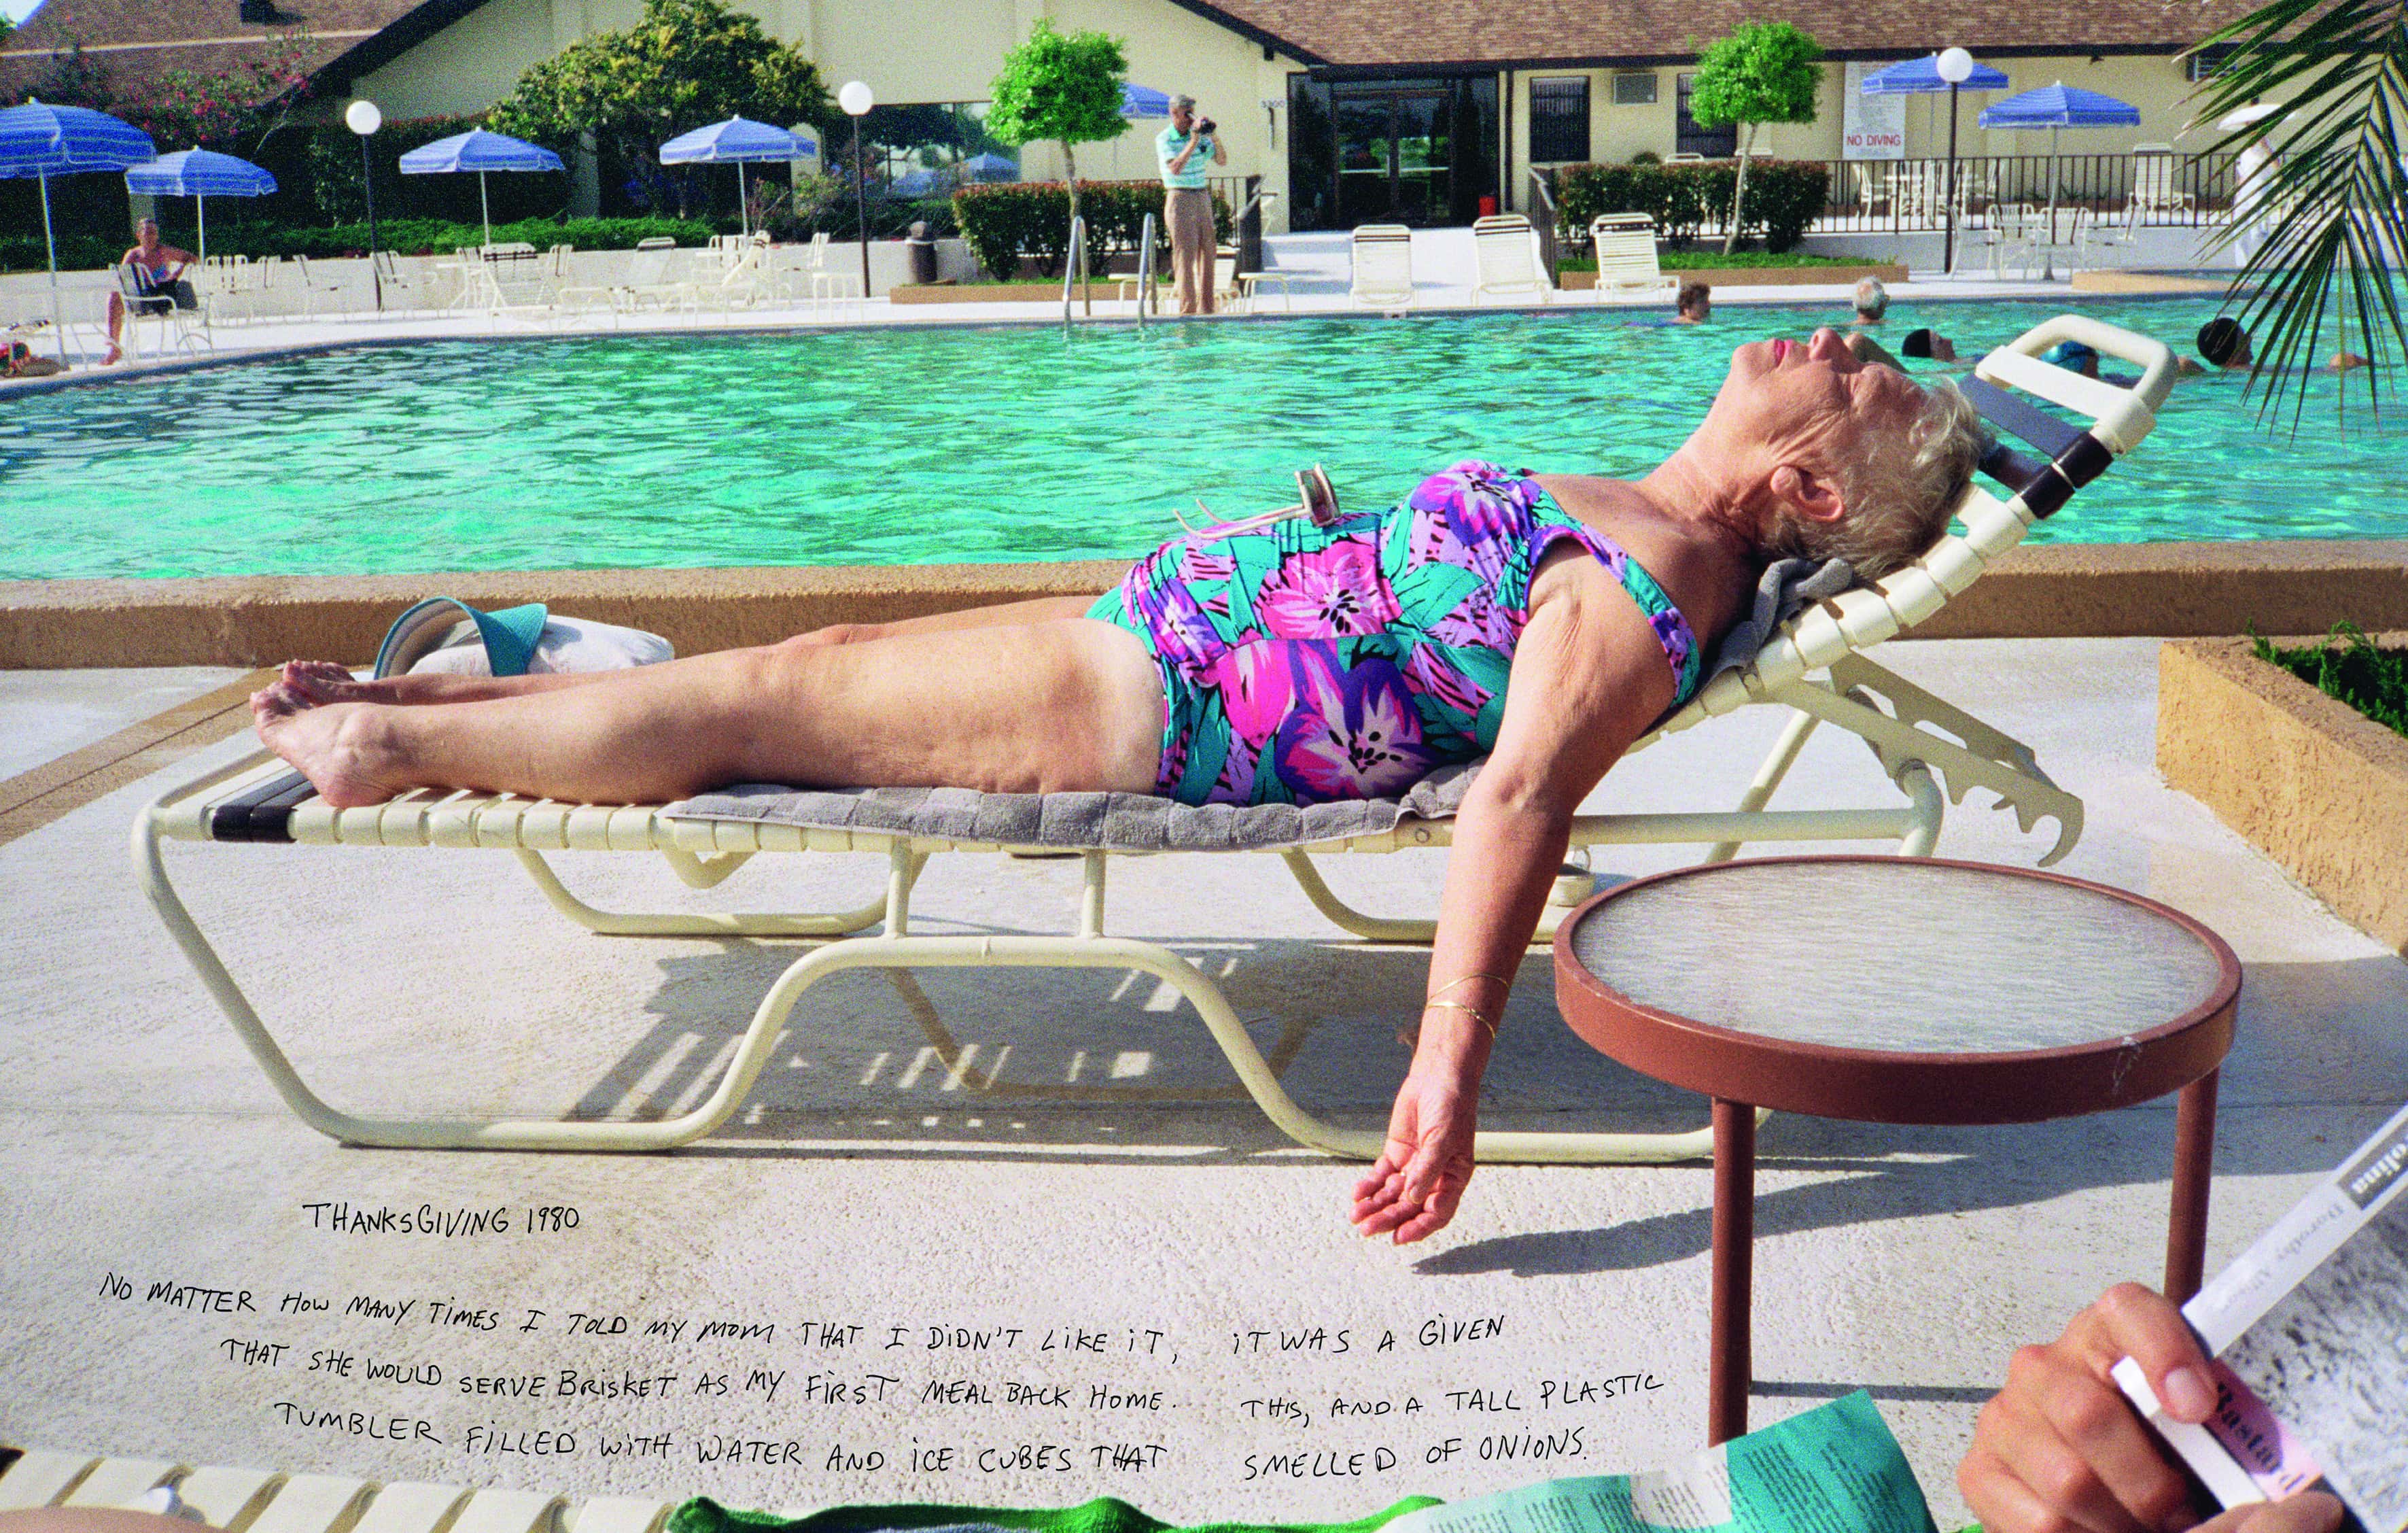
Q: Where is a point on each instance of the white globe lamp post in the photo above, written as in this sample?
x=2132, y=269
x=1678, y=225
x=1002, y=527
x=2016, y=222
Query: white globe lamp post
x=856, y=100
x=1956, y=67
x=363, y=117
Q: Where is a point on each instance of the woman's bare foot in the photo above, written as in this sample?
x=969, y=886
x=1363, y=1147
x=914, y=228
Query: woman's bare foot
x=318, y=683
x=336, y=746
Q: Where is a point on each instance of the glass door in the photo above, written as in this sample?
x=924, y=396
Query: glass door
x=1367, y=155
x=1424, y=158
x=1395, y=156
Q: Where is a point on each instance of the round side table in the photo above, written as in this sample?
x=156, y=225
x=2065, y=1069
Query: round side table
x=1898, y=990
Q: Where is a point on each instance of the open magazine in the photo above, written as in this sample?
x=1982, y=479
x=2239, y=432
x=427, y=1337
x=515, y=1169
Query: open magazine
x=2309, y=1334
x=1832, y=1469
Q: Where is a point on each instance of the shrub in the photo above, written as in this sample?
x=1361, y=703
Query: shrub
x=1783, y=196
x=2348, y=666
x=433, y=236
x=1006, y=222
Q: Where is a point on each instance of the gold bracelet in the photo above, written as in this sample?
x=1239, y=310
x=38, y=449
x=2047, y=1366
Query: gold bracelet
x=1477, y=1014
x=1501, y=980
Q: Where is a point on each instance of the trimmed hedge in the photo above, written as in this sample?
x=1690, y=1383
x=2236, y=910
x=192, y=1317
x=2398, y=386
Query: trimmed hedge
x=76, y=252
x=440, y=236
x=1784, y=198
x=1032, y=218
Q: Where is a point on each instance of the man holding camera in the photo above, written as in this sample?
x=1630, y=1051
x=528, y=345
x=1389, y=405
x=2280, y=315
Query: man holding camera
x=1185, y=149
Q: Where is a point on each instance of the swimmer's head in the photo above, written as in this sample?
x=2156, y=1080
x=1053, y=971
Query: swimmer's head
x=2223, y=343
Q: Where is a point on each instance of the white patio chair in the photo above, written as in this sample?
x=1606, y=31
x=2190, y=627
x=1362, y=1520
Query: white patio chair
x=739, y=283
x=315, y=287
x=1505, y=260
x=2061, y=232
x=831, y=285
x=2009, y=236
x=656, y=280
x=405, y=289
x=177, y=330
x=1382, y=264
x=1813, y=665
x=2155, y=178
x=1873, y=187
x=1627, y=262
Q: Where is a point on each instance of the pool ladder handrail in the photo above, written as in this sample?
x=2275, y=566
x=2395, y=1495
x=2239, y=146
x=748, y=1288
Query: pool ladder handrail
x=1144, y=271
x=1074, y=265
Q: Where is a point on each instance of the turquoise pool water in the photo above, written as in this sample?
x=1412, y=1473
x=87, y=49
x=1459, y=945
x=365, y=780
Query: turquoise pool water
x=942, y=446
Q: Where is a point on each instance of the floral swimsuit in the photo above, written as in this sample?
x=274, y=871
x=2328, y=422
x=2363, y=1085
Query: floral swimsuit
x=1304, y=663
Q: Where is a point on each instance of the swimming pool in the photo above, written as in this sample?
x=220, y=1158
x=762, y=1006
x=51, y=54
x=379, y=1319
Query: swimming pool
x=973, y=445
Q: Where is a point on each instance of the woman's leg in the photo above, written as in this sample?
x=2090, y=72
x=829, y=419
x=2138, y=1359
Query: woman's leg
x=1023, y=708
x=317, y=682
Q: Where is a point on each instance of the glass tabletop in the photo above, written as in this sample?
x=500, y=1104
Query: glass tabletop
x=1893, y=955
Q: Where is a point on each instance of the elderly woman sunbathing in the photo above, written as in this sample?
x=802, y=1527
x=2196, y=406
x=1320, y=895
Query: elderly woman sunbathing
x=1546, y=623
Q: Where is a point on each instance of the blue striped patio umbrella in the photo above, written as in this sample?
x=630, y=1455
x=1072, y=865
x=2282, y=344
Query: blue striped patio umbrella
x=2056, y=107
x=991, y=166
x=1917, y=76
x=200, y=174
x=481, y=150
x=738, y=141
x=45, y=141
x=1138, y=101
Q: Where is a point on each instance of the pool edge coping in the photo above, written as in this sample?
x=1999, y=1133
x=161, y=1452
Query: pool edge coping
x=2056, y=591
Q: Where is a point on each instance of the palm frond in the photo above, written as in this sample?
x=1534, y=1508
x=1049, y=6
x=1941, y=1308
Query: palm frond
x=2332, y=208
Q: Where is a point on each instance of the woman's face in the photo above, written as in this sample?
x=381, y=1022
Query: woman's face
x=1811, y=397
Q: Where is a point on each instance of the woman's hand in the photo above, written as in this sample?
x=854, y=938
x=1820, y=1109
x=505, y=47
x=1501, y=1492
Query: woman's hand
x=2059, y=1451
x=1413, y=1187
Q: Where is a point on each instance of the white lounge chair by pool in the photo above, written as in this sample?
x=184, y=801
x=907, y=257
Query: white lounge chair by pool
x=1505, y=260
x=1626, y=264
x=1812, y=666
x=1383, y=262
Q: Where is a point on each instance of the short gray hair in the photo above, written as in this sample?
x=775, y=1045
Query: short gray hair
x=1182, y=102
x=1871, y=297
x=1899, y=491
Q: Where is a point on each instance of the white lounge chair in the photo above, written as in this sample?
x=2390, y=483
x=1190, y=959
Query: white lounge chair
x=831, y=285
x=1382, y=257
x=1813, y=665
x=2155, y=189
x=654, y=280
x=1627, y=262
x=1505, y=260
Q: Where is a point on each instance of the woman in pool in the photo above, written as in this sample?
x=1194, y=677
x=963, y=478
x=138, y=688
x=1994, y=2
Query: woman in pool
x=1544, y=623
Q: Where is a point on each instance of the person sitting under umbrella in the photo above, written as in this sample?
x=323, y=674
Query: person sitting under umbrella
x=158, y=277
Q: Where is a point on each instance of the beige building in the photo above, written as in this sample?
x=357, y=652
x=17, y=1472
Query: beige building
x=1425, y=111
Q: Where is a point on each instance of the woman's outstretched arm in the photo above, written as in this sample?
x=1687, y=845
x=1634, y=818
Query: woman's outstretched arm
x=1588, y=677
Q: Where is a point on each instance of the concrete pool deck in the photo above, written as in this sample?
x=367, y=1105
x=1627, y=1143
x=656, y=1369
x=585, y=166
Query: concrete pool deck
x=993, y=1167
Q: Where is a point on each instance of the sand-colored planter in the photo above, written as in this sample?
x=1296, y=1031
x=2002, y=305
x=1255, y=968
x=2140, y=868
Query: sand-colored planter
x=1585, y=281
x=2314, y=783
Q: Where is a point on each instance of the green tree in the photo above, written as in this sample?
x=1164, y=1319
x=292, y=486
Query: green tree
x=685, y=65
x=1763, y=72
x=1066, y=88
x=2331, y=208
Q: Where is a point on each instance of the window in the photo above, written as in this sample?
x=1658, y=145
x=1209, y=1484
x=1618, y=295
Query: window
x=1634, y=90
x=1688, y=139
x=1559, y=120
x=2209, y=61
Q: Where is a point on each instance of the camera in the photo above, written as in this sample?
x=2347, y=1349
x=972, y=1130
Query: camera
x=1205, y=125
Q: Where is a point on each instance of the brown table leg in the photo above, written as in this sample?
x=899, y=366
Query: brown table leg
x=2194, y=1163
x=1729, y=1368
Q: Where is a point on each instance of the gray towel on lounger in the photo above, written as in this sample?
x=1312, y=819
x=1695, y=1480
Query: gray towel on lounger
x=1124, y=822
x=1787, y=587
x=1108, y=822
